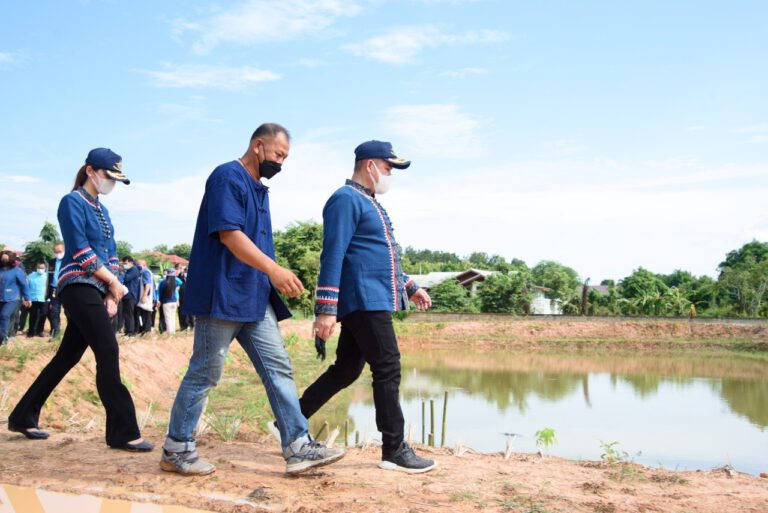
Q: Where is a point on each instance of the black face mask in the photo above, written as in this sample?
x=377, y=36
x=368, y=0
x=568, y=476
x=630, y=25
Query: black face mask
x=269, y=168
x=5, y=262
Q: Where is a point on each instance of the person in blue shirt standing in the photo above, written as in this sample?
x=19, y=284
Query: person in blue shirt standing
x=232, y=289
x=168, y=298
x=13, y=291
x=131, y=278
x=89, y=290
x=361, y=282
x=145, y=304
x=38, y=285
x=54, y=303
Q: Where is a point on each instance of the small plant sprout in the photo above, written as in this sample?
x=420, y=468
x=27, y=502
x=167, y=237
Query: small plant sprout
x=545, y=438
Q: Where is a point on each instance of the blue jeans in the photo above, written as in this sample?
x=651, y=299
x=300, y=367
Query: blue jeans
x=264, y=346
x=7, y=309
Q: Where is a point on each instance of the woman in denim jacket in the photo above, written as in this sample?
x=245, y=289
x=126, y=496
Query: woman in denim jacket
x=89, y=291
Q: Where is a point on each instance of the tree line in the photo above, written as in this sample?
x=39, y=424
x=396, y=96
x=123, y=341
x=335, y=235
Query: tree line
x=740, y=290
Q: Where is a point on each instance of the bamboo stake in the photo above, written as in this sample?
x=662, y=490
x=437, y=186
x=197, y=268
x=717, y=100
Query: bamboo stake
x=445, y=413
x=432, y=422
x=423, y=423
x=346, y=433
x=321, y=430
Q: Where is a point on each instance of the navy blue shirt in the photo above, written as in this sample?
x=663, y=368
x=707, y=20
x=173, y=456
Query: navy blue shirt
x=218, y=284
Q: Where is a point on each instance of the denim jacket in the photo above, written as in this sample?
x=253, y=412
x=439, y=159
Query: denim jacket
x=359, y=266
x=88, y=238
x=13, y=284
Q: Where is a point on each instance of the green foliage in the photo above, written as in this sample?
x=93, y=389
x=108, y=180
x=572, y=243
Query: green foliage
x=545, y=438
x=162, y=248
x=183, y=250
x=449, y=296
x=506, y=293
x=562, y=281
x=751, y=253
x=40, y=250
x=124, y=249
x=298, y=248
x=746, y=284
x=612, y=454
x=49, y=233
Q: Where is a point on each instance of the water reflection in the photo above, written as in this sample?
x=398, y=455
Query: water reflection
x=681, y=411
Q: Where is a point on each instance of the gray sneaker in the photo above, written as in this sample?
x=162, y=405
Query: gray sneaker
x=312, y=454
x=186, y=463
x=405, y=460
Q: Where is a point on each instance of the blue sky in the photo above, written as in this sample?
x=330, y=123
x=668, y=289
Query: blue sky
x=604, y=135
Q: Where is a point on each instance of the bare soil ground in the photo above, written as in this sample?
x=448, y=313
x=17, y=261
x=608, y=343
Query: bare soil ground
x=250, y=475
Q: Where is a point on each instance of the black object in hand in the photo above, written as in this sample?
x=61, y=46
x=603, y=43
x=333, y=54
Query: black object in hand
x=320, y=347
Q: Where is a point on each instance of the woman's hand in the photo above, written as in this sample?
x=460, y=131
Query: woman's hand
x=117, y=290
x=111, y=305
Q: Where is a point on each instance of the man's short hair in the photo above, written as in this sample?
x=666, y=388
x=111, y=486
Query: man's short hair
x=270, y=131
x=128, y=258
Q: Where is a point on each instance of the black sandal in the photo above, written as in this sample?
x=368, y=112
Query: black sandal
x=32, y=435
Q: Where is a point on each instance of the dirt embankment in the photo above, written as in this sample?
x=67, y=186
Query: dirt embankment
x=250, y=470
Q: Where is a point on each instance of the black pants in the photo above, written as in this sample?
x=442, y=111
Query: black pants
x=36, y=319
x=129, y=315
x=143, y=320
x=88, y=324
x=54, y=315
x=365, y=337
x=23, y=315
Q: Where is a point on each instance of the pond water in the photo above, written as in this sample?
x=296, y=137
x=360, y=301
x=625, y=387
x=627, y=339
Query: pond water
x=674, y=411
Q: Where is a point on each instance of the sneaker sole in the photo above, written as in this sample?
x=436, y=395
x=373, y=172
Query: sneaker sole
x=298, y=468
x=170, y=467
x=388, y=465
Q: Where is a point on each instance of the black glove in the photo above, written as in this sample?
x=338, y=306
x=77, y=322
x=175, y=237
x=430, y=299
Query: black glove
x=320, y=347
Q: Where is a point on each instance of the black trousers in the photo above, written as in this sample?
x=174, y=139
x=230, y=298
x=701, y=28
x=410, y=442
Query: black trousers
x=129, y=315
x=88, y=324
x=143, y=320
x=54, y=314
x=365, y=337
x=36, y=319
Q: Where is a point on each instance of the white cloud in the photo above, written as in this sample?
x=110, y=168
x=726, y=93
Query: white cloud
x=752, y=129
x=464, y=72
x=759, y=139
x=19, y=179
x=7, y=59
x=202, y=76
x=438, y=130
x=257, y=21
x=402, y=45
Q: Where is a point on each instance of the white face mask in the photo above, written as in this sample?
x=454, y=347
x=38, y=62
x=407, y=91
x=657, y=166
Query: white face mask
x=40, y=271
x=384, y=183
x=103, y=185
x=59, y=256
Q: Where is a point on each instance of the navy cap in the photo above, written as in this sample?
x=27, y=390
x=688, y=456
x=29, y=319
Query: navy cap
x=109, y=161
x=380, y=150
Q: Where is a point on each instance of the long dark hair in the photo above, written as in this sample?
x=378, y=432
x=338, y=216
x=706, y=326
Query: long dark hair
x=170, y=287
x=80, y=178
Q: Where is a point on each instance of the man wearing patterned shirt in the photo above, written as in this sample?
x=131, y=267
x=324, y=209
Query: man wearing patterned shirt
x=361, y=283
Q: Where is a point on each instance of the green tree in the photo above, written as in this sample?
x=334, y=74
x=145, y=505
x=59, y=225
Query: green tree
x=643, y=293
x=298, y=248
x=40, y=250
x=124, y=249
x=162, y=248
x=754, y=251
x=183, y=250
x=747, y=286
x=506, y=293
x=449, y=296
x=562, y=281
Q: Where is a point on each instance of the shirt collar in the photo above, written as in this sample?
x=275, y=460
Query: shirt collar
x=361, y=188
x=257, y=183
x=84, y=192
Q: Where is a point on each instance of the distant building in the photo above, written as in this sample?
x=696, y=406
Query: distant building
x=468, y=279
x=471, y=278
x=174, y=259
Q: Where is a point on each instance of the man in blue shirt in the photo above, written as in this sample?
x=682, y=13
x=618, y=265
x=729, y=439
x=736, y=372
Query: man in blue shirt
x=54, y=302
x=146, y=301
x=361, y=282
x=13, y=290
x=38, y=283
x=232, y=288
x=131, y=278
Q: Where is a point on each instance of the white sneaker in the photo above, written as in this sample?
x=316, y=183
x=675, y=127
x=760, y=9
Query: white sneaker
x=272, y=428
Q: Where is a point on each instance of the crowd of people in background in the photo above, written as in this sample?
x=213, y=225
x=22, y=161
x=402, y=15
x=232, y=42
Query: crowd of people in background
x=29, y=301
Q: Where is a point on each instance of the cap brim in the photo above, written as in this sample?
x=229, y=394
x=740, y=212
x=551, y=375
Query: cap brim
x=399, y=163
x=120, y=177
